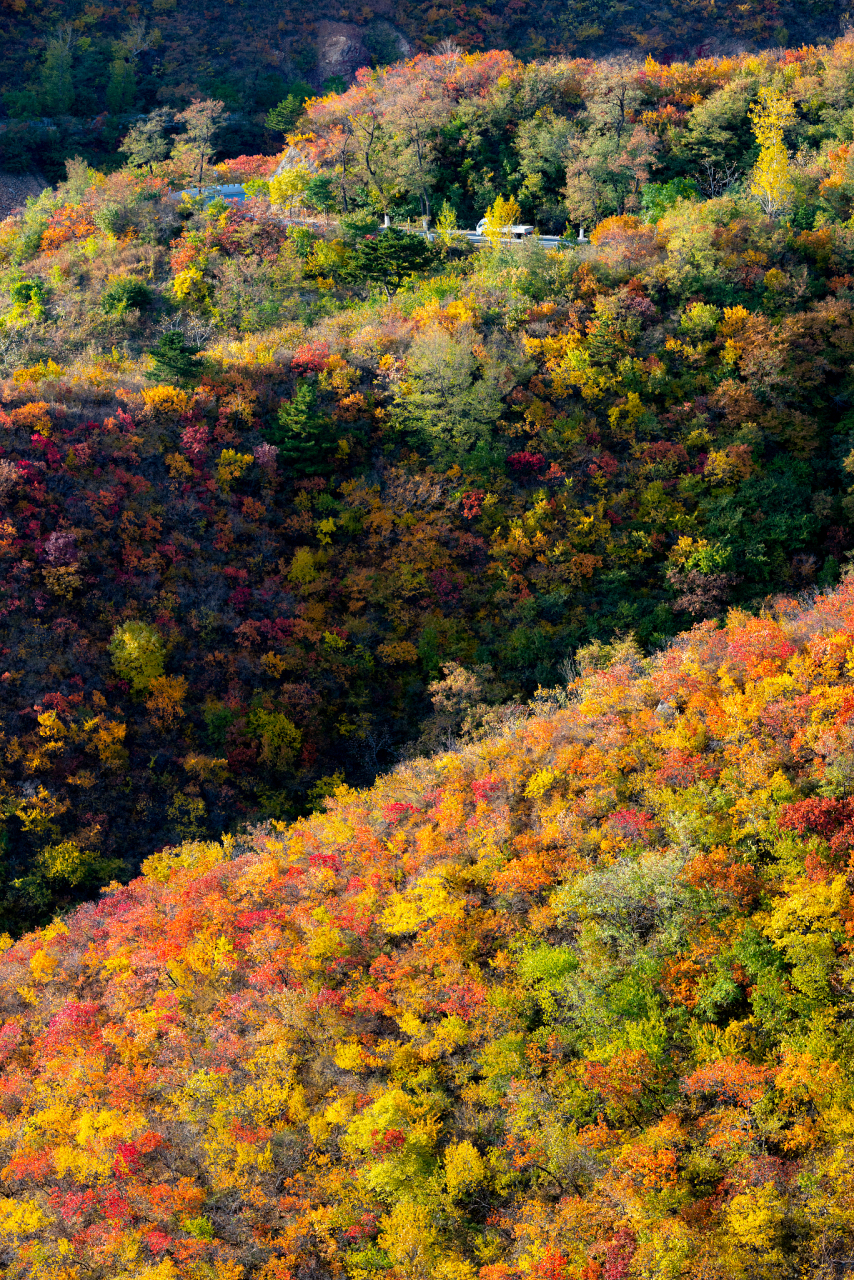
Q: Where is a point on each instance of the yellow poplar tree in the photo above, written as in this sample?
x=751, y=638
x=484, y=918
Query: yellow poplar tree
x=771, y=179
x=500, y=216
x=446, y=224
x=287, y=188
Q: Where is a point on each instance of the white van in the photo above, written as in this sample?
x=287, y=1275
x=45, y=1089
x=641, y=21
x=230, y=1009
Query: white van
x=510, y=233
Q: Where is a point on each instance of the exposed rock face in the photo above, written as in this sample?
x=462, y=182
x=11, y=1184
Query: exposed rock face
x=15, y=187
x=340, y=50
x=294, y=159
x=404, y=48
x=343, y=47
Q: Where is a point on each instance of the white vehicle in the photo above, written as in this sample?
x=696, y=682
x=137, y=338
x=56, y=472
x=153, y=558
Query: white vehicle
x=509, y=233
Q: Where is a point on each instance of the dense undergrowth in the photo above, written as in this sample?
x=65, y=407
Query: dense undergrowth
x=573, y=1002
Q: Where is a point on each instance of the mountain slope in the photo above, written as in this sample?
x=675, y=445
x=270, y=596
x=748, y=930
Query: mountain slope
x=520, y=452
x=573, y=1002
x=67, y=59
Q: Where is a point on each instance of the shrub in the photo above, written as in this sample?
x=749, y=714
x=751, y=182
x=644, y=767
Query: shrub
x=25, y=292
x=122, y=295
x=28, y=299
x=29, y=241
x=165, y=402
x=110, y=218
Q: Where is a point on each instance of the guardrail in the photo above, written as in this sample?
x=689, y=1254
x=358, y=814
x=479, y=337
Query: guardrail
x=228, y=191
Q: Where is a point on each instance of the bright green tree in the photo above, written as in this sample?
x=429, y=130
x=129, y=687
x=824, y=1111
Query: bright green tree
x=146, y=143
x=278, y=737
x=451, y=401
x=137, y=654
x=318, y=193
x=122, y=87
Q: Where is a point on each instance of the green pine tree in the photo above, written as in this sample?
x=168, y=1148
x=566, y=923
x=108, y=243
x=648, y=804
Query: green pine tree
x=121, y=90
x=57, y=84
x=388, y=260
x=305, y=437
x=175, y=360
x=283, y=117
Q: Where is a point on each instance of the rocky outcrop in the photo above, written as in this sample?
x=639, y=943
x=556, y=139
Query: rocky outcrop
x=15, y=188
x=340, y=51
x=343, y=47
x=294, y=159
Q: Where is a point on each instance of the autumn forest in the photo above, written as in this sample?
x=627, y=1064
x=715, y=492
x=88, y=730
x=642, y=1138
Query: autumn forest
x=427, y=657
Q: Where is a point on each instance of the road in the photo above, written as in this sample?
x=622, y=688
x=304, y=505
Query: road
x=234, y=191
x=548, y=242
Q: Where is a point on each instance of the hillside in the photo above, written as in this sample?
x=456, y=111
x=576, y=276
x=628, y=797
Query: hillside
x=369, y=500
x=573, y=1002
x=75, y=64
x=444, y=654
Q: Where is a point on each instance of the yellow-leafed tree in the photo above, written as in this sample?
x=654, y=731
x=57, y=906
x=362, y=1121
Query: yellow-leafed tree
x=771, y=179
x=500, y=217
x=287, y=188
